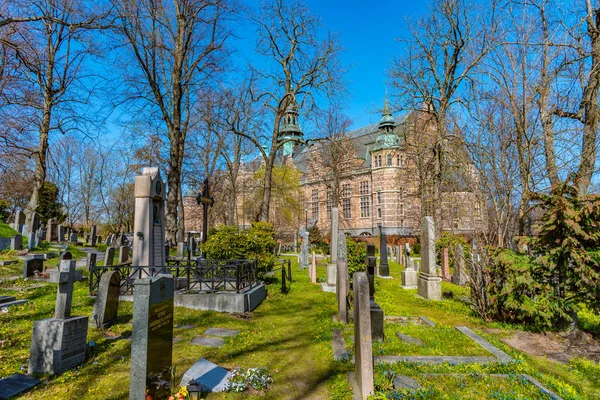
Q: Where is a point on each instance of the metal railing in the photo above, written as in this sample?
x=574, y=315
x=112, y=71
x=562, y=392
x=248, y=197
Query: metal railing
x=207, y=276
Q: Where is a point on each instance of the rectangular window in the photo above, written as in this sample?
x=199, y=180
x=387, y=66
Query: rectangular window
x=378, y=197
x=314, y=209
x=401, y=209
x=389, y=160
x=347, y=208
x=401, y=223
x=379, y=213
x=364, y=187
x=346, y=191
x=365, y=206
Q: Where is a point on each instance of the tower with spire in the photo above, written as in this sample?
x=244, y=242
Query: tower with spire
x=387, y=137
x=290, y=132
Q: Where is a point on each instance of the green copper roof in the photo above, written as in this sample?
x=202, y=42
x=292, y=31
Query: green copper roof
x=387, y=138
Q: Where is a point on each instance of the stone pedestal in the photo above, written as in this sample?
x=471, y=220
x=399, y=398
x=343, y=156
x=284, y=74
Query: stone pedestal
x=377, y=318
x=429, y=287
x=58, y=345
x=409, y=279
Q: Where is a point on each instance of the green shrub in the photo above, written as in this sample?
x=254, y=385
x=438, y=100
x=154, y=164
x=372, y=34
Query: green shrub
x=4, y=213
x=229, y=243
x=357, y=253
x=416, y=249
x=450, y=240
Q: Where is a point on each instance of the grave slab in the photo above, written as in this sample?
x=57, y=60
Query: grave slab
x=435, y=359
x=212, y=377
x=13, y=303
x=185, y=326
x=339, y=346
x=409, y=339
x=7, y=299
x=427, y=320
x=208, y=341
x=14, y=384
x=221, y=332
x=404, y=382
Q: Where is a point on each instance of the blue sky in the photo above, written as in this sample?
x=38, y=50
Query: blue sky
x=368, y=31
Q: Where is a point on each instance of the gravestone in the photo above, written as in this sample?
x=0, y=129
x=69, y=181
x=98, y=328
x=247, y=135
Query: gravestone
x=460, y=273
x=363, y=352
x=34, y=224
x=332, y=266
x=73, y=237
x=445, y=265
x=58, y=344
x=51, y=235
x=180, y=249
x=384, y=268
x=409, y=274
x=66, y=255
x=107, y=300
x=377, y=316
x=61, y=233
x=399, y=255
x=371, y=263
x=342, y=289
x=429, y=284
x=90, y=262
x=149, y=223
x=304, y=250
x=109, y=257
x=123, y=254
x=313, y=268
x=31, y=241
x=93, y=238
x=152, y=341
x=16, y=242
x=110, y=239
x=98, y=239
x=32, y=264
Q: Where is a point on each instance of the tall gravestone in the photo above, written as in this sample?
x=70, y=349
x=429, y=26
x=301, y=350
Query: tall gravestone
x=460, y=273
x=429, y=283
x=51, y=235
x=332, y=266
x=409, y=274
x=61, y=233
x=93, y=237
x=109, y=257
x=106, y=305
x=58, y=344
x=398, y=254
x=377, y=315
x=91, y=261
x=31, y=240
x=149, y=223
x=152, y=341
x=384, y=268
x=342, y=279
x=363, y=351
x=304, y=250
x=445, y=264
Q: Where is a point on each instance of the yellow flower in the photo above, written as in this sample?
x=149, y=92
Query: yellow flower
x=183, y=391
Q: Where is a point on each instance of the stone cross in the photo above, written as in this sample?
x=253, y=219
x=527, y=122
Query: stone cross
x=64, y=295
x=429, y=284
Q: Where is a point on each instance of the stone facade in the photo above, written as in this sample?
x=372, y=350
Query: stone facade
x=380, y=184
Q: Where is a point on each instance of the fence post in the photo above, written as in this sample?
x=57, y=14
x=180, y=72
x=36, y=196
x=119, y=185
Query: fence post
x=289, y=262
x=283, y=284
x=237, y=278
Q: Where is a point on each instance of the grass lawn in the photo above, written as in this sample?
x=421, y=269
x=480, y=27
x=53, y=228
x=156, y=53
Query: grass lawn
x=290, y=335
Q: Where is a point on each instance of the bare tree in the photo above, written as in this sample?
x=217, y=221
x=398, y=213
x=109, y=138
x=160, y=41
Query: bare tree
x=176, y=47
x=301, y=66
x=443, y=50
x=51, y=48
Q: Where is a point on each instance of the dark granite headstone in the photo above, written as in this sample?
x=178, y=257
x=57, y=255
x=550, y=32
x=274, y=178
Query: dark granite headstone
x=123, y=254
x=31, y=264
x=93, y=237
x=91, y=261
x=16, y=242
x=66, y=255
x=384, y=268
x=107, y=299
x=152, y=341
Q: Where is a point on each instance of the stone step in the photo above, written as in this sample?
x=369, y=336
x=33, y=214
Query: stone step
x=7, y=299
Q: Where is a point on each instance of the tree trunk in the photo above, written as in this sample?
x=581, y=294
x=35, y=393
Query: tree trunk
x=174, y=185
x=269, y=163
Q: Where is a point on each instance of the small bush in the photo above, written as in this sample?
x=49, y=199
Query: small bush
x=357, y=253
x=229, y=243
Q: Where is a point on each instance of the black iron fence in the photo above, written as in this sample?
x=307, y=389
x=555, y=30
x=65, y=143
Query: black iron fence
x=198, y=275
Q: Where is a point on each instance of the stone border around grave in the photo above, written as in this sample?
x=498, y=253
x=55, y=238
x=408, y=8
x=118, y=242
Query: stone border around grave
x=529, y=378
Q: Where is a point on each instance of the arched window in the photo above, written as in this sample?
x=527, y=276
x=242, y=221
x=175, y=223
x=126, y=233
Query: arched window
x=389, y=160
x=379, y=213
x=398, y=160
x=401, y=209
